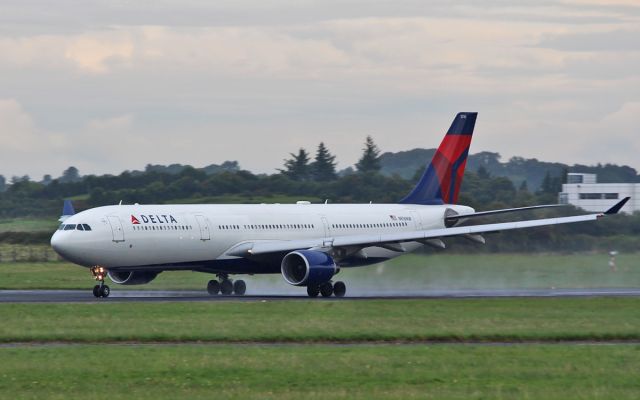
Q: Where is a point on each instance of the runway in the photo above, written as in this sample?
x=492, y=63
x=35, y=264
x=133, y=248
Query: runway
x=85, y=296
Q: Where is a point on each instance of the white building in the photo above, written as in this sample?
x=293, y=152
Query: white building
x=583, y=190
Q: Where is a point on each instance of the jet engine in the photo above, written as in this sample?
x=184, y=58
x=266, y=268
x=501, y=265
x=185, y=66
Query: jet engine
x=132, y=277
x=307, y=268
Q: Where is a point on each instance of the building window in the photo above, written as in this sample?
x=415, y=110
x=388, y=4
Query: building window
x=611, y=196
x=590, y=196
x=571, y=178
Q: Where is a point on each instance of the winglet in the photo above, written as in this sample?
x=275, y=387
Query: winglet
x=617, y=206
x=67, y=210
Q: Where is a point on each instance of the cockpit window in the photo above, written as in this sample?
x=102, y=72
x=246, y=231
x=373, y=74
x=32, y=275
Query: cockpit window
x=79, y=227
x=86, y=227
x=61, y=227
x=69, y=227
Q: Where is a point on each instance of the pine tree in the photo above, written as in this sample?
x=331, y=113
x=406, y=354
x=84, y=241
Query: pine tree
x=297, y=167
x=70, y=175
x=324, y=166
x=547, y=184
x=370, y=160
x=483, y=173
x=524, y=187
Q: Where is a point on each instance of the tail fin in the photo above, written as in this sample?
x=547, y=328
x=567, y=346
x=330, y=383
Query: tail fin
x=441, y=181
x=67, y=210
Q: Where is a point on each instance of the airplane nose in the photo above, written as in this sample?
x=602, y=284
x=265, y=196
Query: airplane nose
x=59, y=245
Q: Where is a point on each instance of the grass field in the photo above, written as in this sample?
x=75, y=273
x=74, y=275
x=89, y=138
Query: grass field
x=362, y=349
x=410, y=273
x=320, y=372
x=29, y=224
x=546, y=319
x=321, y=349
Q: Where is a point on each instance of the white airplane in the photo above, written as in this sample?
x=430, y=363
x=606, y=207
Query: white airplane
x=306, y=243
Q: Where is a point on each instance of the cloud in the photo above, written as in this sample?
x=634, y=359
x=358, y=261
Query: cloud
x=24, y=144
x=609, y=41
x=629, y=3
x=97, y=53
x=17, y=128
x=200, y=82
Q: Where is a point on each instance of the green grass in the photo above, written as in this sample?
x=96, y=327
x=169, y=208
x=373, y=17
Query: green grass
x=320, y=372
x=29, y=225
x=410, y=272
x=548, y=319
x=321, y=349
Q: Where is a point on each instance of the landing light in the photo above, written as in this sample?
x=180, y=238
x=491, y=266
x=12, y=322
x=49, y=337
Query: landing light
x=98, y=273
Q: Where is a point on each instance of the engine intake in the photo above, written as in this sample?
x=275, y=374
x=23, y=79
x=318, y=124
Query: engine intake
x=132, y=277
x=307, y=268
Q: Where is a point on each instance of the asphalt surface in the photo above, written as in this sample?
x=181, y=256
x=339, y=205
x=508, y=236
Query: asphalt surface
x=117, y=295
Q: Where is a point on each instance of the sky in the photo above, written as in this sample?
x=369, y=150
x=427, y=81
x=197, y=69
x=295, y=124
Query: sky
x=108, y=86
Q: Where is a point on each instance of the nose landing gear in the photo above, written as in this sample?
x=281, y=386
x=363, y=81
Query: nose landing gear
x=226, y=286
x=100, y=290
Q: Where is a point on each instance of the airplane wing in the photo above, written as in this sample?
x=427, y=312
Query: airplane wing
x=455, y=217
x=265, y=247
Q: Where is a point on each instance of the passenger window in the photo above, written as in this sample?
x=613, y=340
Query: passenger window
x=70, y=227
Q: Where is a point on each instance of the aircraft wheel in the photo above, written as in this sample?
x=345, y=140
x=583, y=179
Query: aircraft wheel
x=326, y=289
x=339, y=289
x=213, y=287
x=239, y=287
x=226, y=287
x=313, y=291
x=105, y=291
x=96, y=291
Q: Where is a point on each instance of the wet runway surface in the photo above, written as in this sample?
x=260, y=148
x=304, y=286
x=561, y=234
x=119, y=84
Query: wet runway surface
x=84, y=296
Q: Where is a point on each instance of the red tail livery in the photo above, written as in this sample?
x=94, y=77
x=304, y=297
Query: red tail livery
x=440, y=183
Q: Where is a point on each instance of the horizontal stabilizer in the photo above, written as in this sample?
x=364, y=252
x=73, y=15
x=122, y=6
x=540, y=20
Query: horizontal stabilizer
x=453, y=218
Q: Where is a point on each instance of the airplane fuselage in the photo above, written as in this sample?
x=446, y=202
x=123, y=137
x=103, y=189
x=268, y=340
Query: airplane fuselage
x=199, y=237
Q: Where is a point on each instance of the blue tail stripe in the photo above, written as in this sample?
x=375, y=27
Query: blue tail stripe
x=67, y=208
x=463, y=124
x=427, y=191
x=454, y=171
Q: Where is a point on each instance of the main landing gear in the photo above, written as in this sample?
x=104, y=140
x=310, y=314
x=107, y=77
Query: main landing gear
x=100, y=290
x=327, y=289
x=226, y=286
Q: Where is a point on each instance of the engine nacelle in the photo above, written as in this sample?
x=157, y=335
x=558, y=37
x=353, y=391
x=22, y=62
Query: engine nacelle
x=307, y=268
x=132, y=277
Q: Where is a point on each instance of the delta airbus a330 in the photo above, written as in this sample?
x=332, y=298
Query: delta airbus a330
x=306, y=243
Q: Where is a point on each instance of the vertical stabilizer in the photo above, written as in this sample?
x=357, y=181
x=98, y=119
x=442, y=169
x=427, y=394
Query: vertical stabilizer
x=440, y=183
x=67, y=210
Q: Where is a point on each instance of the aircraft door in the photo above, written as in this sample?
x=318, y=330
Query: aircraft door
x=205, y=234
x=327, y=231
x=116, y=228
x=415, y=216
